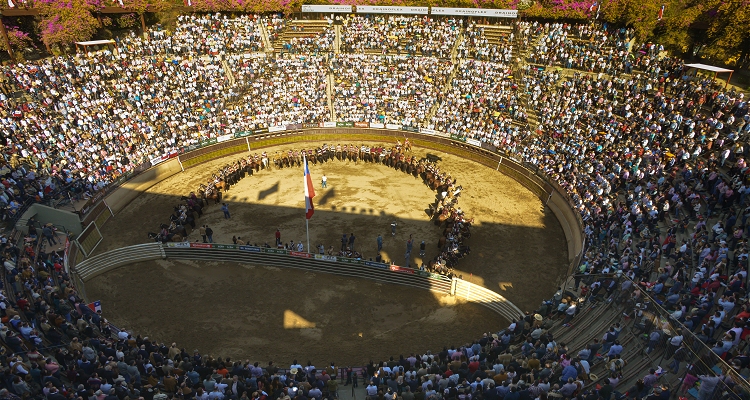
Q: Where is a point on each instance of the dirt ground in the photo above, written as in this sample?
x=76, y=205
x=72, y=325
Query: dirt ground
x=518, y=249
x=249, y=312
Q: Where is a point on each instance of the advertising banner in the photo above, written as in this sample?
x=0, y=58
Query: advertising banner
x=300, y=254
x=402, y=269
x=474, y=142
x=344, y=124
x=294, y=127
x=328, y=124
x=458, y=137
x=225, y=246
x=306, y=126
x=224, y=138
x=475, y=12
x=201, y=245
x=361, y=125
x=433, y=132
x=350, y=260
x=409, y=129
x=376, y=264
x=261, y=130
x=324, y=257
x=242, y=134
x=310, y=8
x=254, y=249
x=391, y=10
x=277, y=128
x=275, y=251
x=377, y=125
x=180, y=245
x=393, y=126
x=429, y=274
x=208, y=142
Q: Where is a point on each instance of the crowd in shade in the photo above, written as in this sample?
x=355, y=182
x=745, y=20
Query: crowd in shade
x=396, y=34
x=654, y=160
x=388, y=90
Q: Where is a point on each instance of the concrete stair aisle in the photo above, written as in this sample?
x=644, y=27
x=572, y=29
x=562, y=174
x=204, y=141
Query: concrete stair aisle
x=299, y=29
x=264, y=34
x=337, y=42
x=228, y=72
x=448, y=83
x=329, y=93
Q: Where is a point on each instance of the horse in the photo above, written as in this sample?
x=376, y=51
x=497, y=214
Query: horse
x=172, y=237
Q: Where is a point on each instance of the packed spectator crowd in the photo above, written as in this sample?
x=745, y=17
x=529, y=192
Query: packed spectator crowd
x=653, y=160
x=199, y=35
x=388, y=90
x=580, y=46
x=278, y=91
x=481, y=104
x=477, y=45
x=304, y=40
x=396, y=34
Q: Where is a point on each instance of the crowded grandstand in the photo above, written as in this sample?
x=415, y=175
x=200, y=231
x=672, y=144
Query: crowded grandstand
x=651, y=155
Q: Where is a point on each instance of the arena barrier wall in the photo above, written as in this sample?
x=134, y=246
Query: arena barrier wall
x=349, y=267
x=549, y=192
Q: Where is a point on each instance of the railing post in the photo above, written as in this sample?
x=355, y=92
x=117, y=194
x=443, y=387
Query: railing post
x=454, y=282
x=180, y=162
x=161, y=250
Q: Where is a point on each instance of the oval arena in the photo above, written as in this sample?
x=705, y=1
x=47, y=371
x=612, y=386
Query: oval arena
x=532, y=174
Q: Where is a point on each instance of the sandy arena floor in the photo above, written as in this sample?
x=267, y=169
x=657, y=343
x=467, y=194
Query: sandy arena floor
x=518, y=249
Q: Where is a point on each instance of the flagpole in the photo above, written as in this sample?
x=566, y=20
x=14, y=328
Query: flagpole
x=307, y=226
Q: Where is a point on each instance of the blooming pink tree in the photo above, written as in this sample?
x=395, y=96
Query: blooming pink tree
x=19, y=40
x=66, y=21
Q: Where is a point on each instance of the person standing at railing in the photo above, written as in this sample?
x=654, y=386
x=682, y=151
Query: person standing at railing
x=49, y=234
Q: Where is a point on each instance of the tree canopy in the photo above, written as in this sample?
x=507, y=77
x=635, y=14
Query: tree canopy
x=715, y=29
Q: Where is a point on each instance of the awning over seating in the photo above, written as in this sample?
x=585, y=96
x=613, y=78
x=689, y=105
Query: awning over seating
x=709, y=68
x=95, y=42
x=714, y=69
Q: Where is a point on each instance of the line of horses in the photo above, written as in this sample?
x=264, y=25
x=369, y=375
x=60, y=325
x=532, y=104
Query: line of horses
x=444, y=211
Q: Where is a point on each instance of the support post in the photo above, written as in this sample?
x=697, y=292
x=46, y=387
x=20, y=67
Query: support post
x=454, y=282
x=107, y=205
x=6, y=39
x=180, y=162
x=143, y=24
x=248, y=143
x=307, y=228
x=498, y=163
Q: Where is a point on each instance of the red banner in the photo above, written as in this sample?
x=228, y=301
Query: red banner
x=201, y=245
x=300, y=254
x=402, y=269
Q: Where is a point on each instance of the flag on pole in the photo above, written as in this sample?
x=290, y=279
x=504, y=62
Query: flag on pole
x=95, y=306
x=309, y=191
x=661, y=12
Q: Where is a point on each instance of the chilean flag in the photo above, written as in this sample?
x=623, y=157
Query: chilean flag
x=95, y=306
x=309, y=191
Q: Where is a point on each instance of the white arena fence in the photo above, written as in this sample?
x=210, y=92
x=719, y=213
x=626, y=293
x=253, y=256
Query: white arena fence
x=260, y=256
